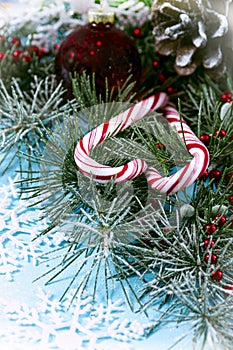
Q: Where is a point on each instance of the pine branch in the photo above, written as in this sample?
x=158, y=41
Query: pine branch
x=194, y=299
x=98, y=242
x=24, y=117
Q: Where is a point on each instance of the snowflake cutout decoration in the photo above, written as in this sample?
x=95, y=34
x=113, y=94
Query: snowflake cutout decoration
x=51, y=324
x=19, y=225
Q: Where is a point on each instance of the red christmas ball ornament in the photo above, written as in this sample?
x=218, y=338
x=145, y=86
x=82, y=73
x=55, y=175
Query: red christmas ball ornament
x=212, y=257
x=2, y=55
x=210, y=229
x=208, y=243
x=220, y=133
x=215, y=174
x=101, y=48
x=217, y=275
x=205, y=138
x=220, y=220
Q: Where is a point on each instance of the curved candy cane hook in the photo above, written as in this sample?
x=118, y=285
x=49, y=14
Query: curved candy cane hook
x=190, y=172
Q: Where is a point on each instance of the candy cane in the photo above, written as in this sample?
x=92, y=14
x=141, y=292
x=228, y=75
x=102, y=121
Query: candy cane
x=103, y=173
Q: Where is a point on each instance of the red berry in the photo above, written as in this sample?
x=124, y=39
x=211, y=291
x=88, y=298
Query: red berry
x=160, y=146
x=16, y=41
x=229, y=177
x=34, y=49
x=205, y=138
x=162, y=78
x=41, y=52
x=26, y=57
x=215, y=174
x=204, y=175
x=208, y=243
x=155, y=64
x=171, y=90
x=223, y=97
x=17, y=53
x=231, y=199
x=163, y=242
x=137, y=32
x=220, y=219
x=213, y=259
x=217, y=275
x=221, y=133
x=210, y=229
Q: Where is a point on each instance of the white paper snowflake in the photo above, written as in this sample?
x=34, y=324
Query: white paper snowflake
x=51, y=324
x=19, y=225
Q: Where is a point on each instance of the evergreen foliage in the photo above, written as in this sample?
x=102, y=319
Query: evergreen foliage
x=122, y=232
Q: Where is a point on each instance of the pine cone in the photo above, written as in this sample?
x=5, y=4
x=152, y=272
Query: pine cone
x=192, y=29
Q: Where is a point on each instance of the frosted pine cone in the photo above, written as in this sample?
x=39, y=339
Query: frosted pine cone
x=192, y=29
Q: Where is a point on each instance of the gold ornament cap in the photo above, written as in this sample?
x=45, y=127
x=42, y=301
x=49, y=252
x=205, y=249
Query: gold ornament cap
x=100, y=16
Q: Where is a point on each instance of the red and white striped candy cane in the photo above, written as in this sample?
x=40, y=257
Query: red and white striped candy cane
x=190, y=172
x=103, y=173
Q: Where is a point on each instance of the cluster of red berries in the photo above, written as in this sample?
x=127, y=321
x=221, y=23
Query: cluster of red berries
x=19, y=53
x=221, y=133
x=162, y=78
x=205, y=138
x=226, y=96
x=211, y=258
x=213, y=174
x=216, y=174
